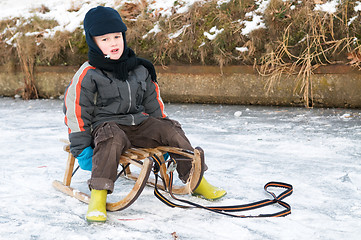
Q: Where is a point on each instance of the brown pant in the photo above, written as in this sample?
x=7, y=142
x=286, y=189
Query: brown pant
x=111, y=140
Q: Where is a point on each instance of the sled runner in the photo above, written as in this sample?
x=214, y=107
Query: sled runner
x=142, y=159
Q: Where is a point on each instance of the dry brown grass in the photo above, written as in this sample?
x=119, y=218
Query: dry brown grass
x=296, y=40
x=319, y=46
x=355, y=58
x=26, y=53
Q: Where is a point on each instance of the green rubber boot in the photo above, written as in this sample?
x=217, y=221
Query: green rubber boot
x=209, y=191
x=97, y=211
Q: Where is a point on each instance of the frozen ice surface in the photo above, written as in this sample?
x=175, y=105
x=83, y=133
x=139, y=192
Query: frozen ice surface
x=315, y=150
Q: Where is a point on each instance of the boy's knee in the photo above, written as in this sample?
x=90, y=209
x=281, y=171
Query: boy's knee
x=110, y=132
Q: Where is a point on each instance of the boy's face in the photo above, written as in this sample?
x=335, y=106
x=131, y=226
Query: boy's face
x=111, y=44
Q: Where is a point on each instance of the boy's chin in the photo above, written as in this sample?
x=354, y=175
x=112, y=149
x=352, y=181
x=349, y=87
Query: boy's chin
x=115, y=57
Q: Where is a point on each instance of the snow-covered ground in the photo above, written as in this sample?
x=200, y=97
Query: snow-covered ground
x=69, y=13
x=315, y=150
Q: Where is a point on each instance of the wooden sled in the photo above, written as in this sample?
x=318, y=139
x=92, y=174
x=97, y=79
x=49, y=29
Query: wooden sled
x=140, y=158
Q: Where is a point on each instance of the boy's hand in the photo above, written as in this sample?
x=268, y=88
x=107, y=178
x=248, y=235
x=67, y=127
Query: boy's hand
x=85, y=159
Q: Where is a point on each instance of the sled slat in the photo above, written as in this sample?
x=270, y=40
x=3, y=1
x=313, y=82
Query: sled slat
x=130, y=155
x=71, y=191
x=141, y=154
x=176, y=151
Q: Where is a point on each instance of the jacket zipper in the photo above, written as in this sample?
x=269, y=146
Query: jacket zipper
x=133, y=122
x=130, y=96
x=130, y=102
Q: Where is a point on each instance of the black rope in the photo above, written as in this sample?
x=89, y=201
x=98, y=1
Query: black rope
x=123, y=170
x=76, y=169
x=225, y=209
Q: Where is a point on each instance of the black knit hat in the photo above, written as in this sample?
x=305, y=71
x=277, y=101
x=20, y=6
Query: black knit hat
x=102, y=20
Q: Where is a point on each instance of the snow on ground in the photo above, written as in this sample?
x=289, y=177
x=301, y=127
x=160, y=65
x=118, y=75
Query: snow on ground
x=315, y=150
x=330, y=6
x=70, y=14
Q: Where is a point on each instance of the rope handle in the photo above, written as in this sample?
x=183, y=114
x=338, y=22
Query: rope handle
x=226, y=209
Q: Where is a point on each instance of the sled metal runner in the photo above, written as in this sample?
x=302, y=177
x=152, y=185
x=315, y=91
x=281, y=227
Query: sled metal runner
x=140, y=158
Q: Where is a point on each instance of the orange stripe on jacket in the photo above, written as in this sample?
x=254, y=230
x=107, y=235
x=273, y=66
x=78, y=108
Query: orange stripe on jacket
x=77, y=107
x=159, y=99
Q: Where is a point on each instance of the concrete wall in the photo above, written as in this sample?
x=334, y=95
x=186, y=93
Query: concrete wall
x=333, y=86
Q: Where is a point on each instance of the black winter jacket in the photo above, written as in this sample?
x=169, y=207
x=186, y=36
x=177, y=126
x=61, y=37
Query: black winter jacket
x=94, y=96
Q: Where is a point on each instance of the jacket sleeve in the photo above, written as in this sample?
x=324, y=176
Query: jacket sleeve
x=78, y=109
x=152, y=100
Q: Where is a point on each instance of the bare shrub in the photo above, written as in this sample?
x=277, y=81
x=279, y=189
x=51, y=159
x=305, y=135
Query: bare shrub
x=26, y=51
x=321, y=41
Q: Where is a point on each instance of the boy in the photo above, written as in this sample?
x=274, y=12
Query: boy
x=113, y=103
